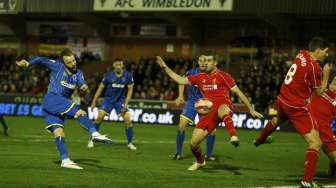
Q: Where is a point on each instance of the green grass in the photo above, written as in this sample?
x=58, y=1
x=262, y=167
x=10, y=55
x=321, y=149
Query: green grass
x=29, y=159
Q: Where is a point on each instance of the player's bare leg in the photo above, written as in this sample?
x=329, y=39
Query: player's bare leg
x=197, y=137
x=312, y=155
x=100, y=118
x=224, y=113
x=270, y=127
x=210, y=144
x=97, y=122
x=62, y=149
x=129, y=130
x=180, y=136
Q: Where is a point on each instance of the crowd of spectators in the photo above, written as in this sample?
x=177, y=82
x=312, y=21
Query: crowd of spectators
x=260, y=81
x=31, y=81
x=14, y=80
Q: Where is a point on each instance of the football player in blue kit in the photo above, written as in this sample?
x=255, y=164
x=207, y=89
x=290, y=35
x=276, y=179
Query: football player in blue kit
x=4, y=125
x=189, y=113
x=57, y=105
x=118, y=85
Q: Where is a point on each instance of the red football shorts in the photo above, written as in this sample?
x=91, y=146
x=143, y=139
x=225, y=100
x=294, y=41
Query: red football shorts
x=211, y=120
x=328, y=138
x=299, y=117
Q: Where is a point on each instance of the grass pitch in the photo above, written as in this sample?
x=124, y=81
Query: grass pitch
x=29, y=159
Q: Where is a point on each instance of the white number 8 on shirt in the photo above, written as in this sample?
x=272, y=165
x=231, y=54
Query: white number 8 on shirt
x=290, y=74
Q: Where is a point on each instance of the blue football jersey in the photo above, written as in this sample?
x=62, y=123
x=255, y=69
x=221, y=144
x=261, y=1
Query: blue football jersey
x=61, y=81
x=333, y=126
x=193, y=92
x=116, y=87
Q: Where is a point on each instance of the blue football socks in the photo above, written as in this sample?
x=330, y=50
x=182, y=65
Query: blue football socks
x=129, y=134
x=87, y=123
x=179, y=142
x=210, y=141
x=97, y=126
x=61, y=147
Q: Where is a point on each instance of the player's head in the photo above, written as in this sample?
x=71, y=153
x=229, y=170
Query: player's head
x=201, y=63
x=210, y=61
x=68, y=59
x=319, y=48
x=332, y=85
x=118, y=65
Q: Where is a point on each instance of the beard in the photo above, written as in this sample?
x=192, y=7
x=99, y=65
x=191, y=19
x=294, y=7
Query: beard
x=73, y=70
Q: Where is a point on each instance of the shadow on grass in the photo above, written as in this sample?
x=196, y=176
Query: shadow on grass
x=217, y=157
x=295, y=179
x=214, y=166
x=88, y=162
x=325, y=178
x=115, y=144
x=321, y=177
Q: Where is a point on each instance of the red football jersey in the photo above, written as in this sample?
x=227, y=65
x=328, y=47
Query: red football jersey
x=324, y=108
x=302, y=77
x=215, y=86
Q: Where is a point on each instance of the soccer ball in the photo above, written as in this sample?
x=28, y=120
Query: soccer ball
x=203, y=106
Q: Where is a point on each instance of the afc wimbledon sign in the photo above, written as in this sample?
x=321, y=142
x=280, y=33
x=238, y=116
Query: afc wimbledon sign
x=163, y=5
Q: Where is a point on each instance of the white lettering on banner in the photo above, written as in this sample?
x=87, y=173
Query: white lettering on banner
x=135, y=114
x=93, y=113
x=241, y=120
x=138, y=116
x=238, y=119
x=166, y=118
x=149, y=118
x=163, y=5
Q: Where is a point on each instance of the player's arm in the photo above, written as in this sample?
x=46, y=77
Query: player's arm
x=50, y=64
x=179, y=100
x=325, y=77
x=247, y=103
x=97, y=95
x=83, y=87
x=177, y=78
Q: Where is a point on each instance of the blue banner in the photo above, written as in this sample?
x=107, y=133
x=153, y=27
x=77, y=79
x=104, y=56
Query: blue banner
x=149, y=112
x=20, y=109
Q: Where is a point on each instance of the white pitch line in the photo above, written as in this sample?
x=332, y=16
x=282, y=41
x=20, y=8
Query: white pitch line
x=81, y=140
x=289, y=186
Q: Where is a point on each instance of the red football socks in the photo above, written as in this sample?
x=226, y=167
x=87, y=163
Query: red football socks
x=310, y=164
x=268, y=130
x=197, y=151
x=229, y=126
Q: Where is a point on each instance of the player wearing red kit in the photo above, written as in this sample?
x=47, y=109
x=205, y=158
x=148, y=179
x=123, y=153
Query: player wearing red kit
x=216, y=86
x=324, y=111
x=302, y=79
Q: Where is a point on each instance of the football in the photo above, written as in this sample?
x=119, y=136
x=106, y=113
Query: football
x=203, y=106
